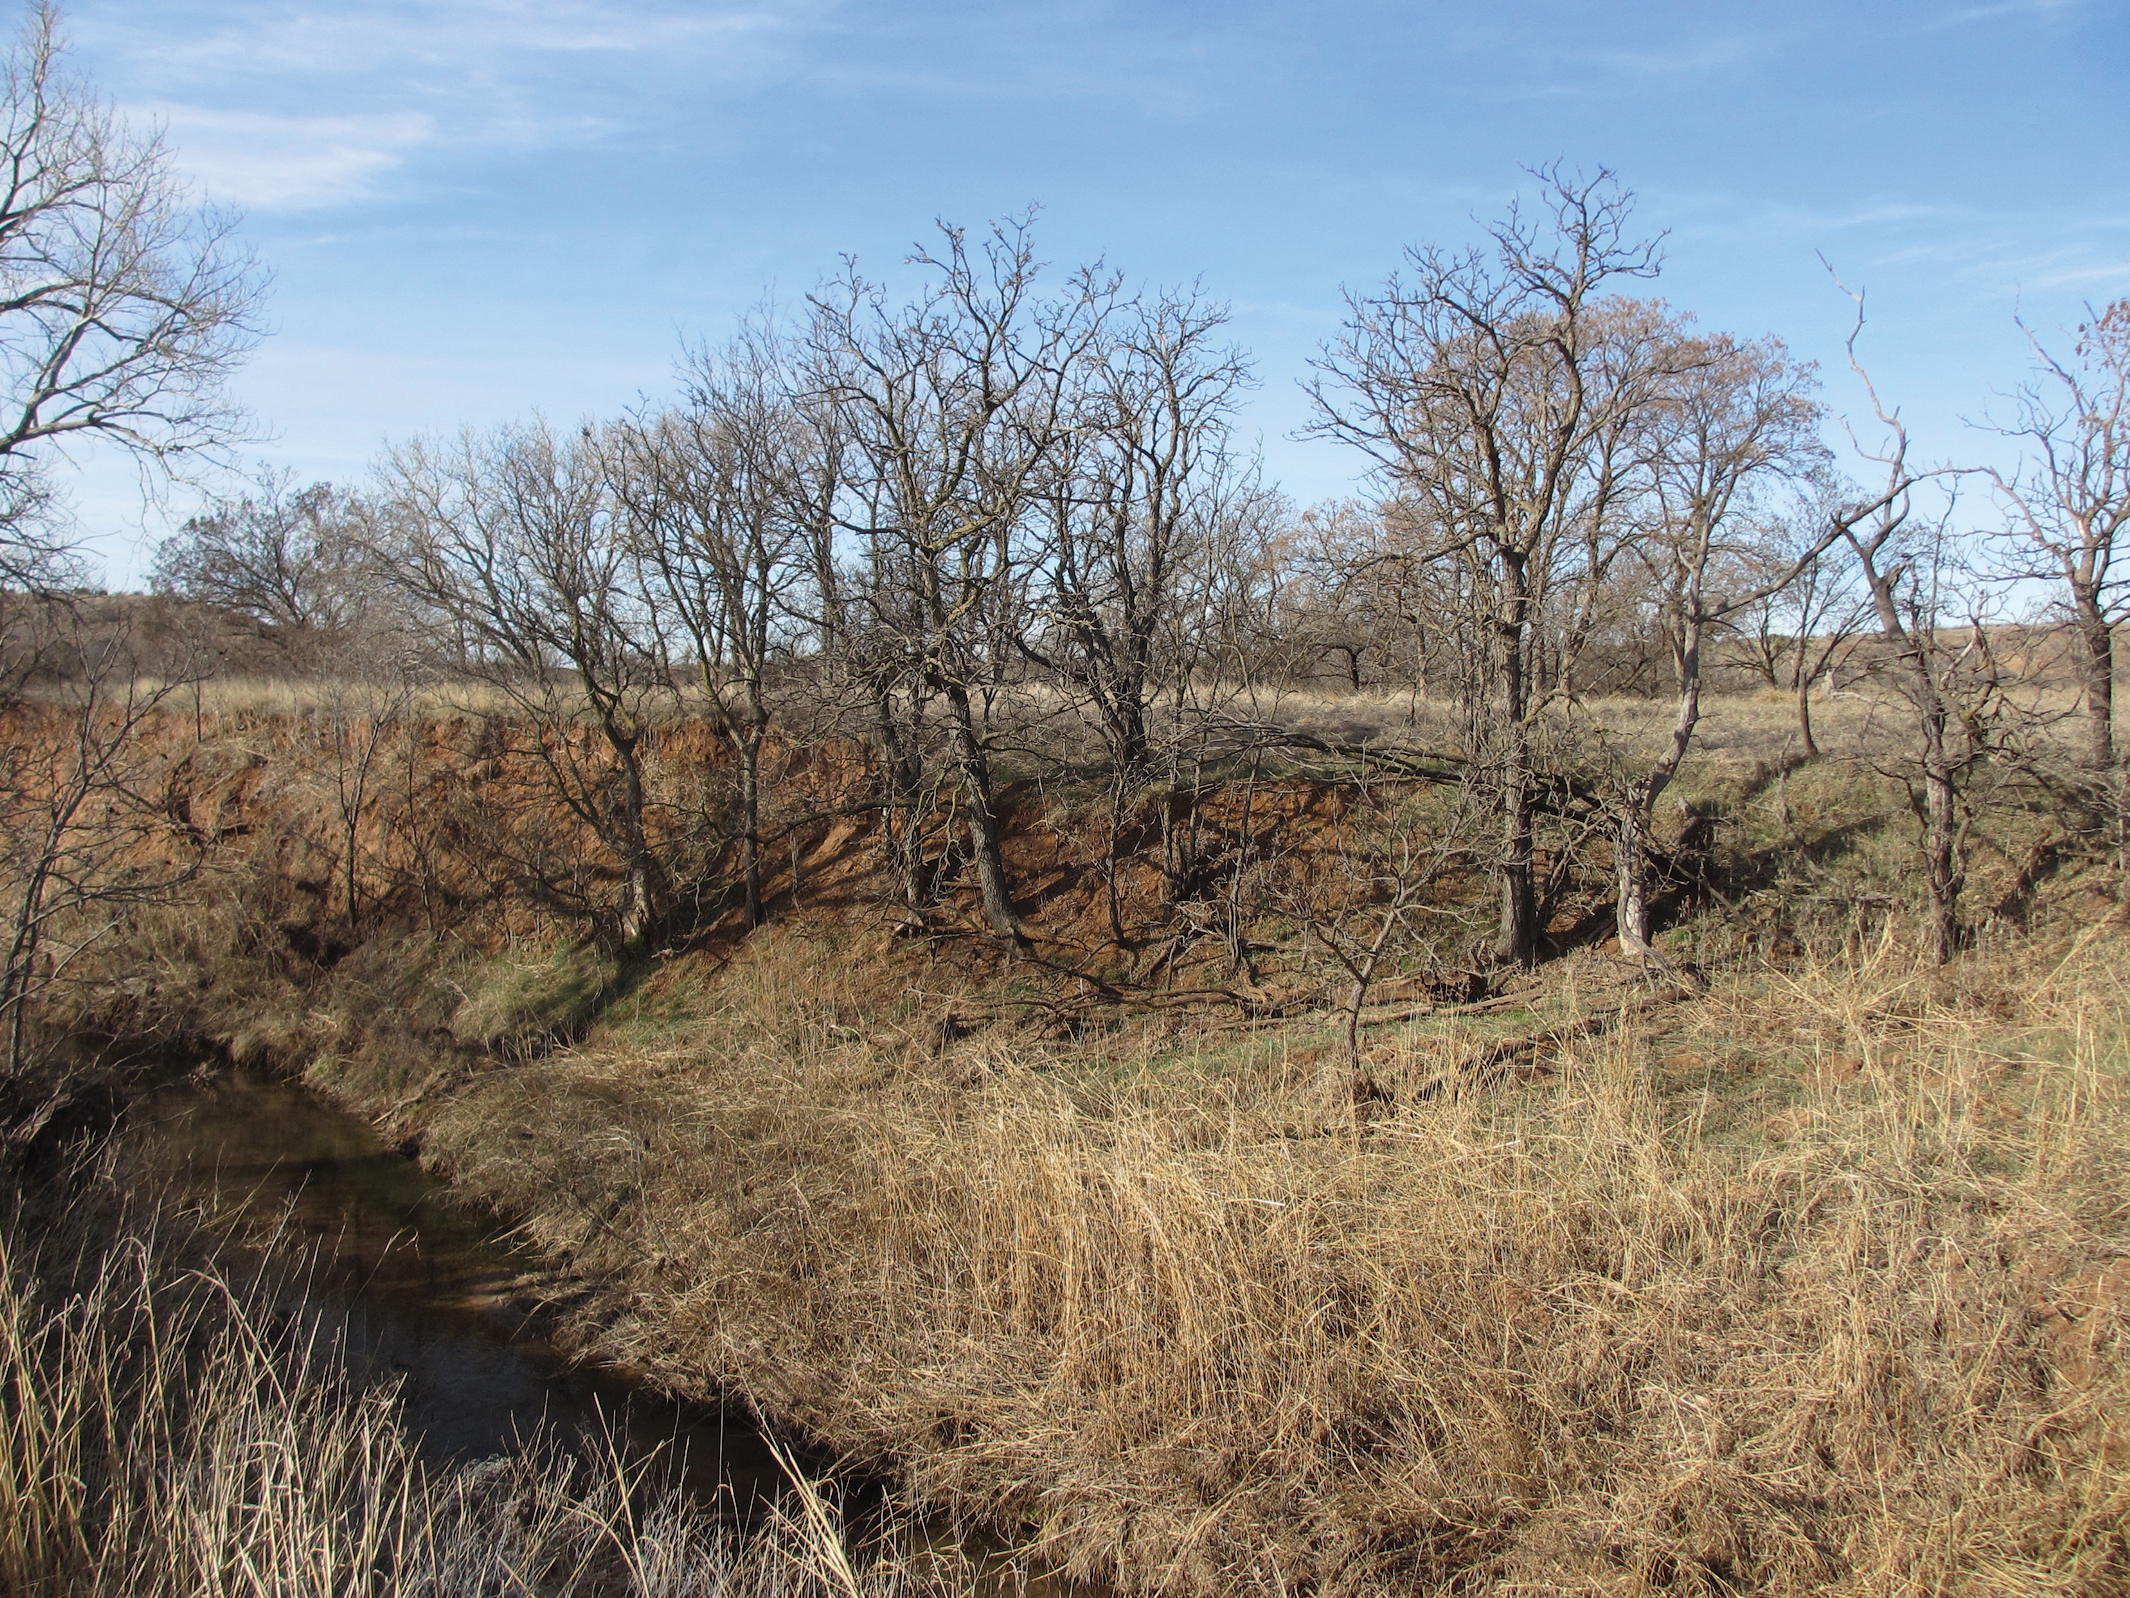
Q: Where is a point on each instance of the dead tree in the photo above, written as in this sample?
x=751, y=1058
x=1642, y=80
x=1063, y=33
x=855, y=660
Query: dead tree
x=1736, y=422
x=358, y=723
x=1138, y=483
x=725, y=503
x=1940, y=668
x=126, y=307
x=84, y=837
x=1387, y=877
x=292, y=561
x=511, y=544
x=1797, y=635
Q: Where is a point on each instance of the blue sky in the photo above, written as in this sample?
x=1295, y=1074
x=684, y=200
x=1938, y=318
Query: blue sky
x=475, y=208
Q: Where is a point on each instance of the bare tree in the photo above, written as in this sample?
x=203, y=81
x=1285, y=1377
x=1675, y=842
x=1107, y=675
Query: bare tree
x=1954, y=688
x=2070, y=498
x=1797, y=634
x=1493, y=397
x=1737, y=421
x=123, y=307
x=1945, y=675
x=511, y=544
x=1374, y=602
x=729, y=497
x=1385, y=878
x=84, y=835
x=1130, y=509
x=358, y=724
x=37, y=559
x=954, y=408
x=292, y=560
x=1342, y=632
x=1130, y=515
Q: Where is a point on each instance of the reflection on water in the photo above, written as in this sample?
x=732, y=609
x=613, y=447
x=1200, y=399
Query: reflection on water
x=424, y=1289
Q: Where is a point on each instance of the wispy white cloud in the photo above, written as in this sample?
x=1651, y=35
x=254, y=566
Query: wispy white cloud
x=279, y=163
x=1690, y=60
x=497, y=70
x=307, y=106
x=1977, y=254
x=1719, y=214
x=220, y=38
x=1960, y=16
x=2114, y=274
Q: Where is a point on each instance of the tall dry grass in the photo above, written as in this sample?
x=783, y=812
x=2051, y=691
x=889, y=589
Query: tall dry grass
x=1819, y=1283
x=169, y=1428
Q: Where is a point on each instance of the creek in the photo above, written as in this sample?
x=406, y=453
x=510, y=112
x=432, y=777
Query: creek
x=415, y=1287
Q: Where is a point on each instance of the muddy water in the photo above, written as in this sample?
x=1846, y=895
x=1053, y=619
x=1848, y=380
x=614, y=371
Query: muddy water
x=420, y=1289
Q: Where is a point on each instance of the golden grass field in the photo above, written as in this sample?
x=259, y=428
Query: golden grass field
x=1812, y=1276
x=1817, y=1282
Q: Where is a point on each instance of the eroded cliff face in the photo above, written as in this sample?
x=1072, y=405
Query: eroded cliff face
x=298, y=840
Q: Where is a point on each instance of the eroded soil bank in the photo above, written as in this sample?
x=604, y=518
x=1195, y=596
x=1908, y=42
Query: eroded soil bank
x=1809, y=1277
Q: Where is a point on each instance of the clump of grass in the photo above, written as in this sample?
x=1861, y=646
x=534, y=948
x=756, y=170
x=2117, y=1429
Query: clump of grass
x=533, y=993
x=166, y=1429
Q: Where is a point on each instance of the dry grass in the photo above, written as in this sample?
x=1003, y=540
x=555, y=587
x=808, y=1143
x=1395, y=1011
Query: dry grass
x=1738, y=730
x=1759, y=718
x=1821, y=1285
x=170, y=1427
x=239, y=698
x=1818, y=1282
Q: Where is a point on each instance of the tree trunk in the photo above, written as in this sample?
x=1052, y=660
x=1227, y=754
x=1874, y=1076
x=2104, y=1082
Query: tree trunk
x=1112, y=858
x=749, y=750
x=1631, y=859
x=1804, y=715
x=22, y=960
x=350, y=818
x=1131, y=738
x=645, y=903
x=1517, y=941
x=1636, y=821
x=984, y=837
x=640, y=916
x=1941, y=855
x=1943, y=865
x=901, y=832
x=2097, y=667
x=1938, y=808
x=751, y=833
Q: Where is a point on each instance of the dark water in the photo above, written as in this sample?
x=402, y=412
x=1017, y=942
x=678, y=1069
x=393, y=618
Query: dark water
x=427, y=1291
